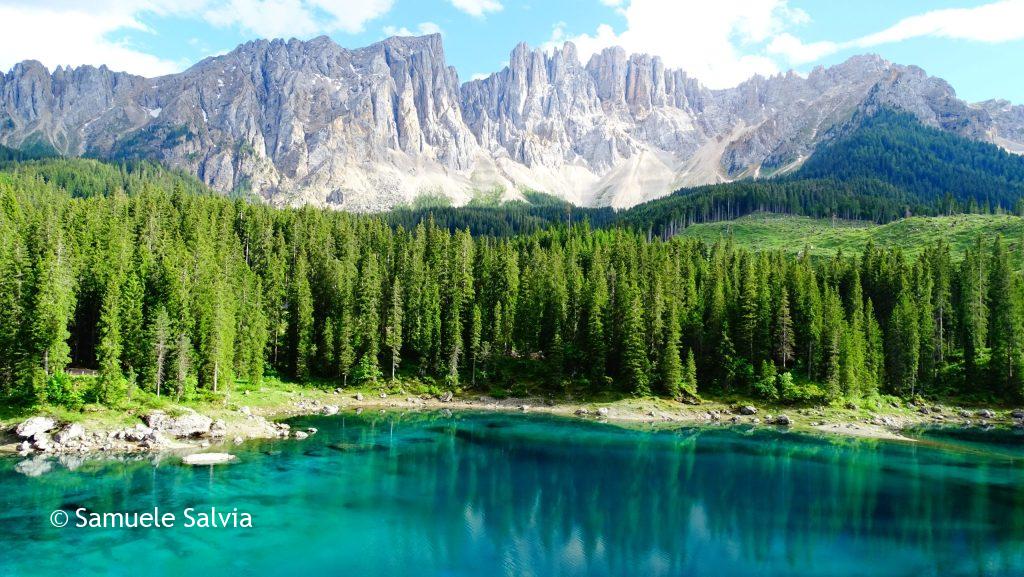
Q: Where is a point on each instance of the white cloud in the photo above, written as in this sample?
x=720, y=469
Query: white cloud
x=725, y=42
x=284, y=18
x=61, y=34
x=479, y=76
x=992, y=23
x=477, y=8
x=717, y=42
x=72, y=32
x=422, y=29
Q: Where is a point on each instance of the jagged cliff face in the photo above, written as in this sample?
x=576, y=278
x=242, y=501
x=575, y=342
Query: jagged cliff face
x=312, y=122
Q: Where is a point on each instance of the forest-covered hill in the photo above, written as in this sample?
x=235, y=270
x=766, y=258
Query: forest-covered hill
x=161, y=288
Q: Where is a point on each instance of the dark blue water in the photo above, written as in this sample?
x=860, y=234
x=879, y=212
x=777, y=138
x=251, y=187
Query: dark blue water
x=491, y=494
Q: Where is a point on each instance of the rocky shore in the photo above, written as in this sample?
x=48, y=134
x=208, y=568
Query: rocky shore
x=186, y=431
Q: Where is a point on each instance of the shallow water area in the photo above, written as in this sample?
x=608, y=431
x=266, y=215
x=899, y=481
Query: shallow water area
x=509, y=494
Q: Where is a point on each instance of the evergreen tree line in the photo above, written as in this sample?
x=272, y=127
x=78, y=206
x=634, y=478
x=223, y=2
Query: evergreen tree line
x=181, y=294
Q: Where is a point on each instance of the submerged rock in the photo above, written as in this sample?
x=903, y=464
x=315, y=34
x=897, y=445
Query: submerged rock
x=208, y=458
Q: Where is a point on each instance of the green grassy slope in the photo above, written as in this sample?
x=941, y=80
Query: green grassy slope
x=825, y=237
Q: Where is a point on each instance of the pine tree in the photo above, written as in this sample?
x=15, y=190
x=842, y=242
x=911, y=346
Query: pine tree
x=393, y=330
x=634, y=355
x=1005, y=333
x=160, y=335
x=368, y=320
x=113, y=386
x=474, y=339
x=973, y=309
x=182, y=367
x=301, y=319
x=690, y=374
x=670, y=366
x=783, y=328
x=902, y=345
x=597, y=302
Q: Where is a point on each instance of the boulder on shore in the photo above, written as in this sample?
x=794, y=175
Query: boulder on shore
x=748, y=410
x=986, y=414
x=30, y=427
x=446, y=397
x=783, y=420
x=69, y=433
x=208, y=458
x=190, y=424
x=329, y=410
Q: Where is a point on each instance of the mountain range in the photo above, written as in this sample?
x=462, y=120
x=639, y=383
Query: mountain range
x=311, y=122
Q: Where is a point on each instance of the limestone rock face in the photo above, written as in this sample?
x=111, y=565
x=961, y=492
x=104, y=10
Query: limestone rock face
x=367, y=129
x=34, y=426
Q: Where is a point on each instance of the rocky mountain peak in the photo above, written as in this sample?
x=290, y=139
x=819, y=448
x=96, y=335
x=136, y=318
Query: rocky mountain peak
x=368, y=128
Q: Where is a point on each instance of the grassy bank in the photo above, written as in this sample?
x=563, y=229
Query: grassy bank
x=825, y=237
x=879, y=417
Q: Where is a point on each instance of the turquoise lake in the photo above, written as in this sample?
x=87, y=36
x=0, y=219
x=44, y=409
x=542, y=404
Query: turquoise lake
x=499, y=494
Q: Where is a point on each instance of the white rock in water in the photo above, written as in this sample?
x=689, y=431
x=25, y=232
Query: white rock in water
x=208, y=458
x=300, y=435
x=30, y=427
x=329, y=410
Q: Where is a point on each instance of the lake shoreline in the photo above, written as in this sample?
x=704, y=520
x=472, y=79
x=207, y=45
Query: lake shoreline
x=184, y=430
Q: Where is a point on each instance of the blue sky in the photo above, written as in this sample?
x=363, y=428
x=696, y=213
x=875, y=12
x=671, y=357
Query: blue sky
x=974, y=44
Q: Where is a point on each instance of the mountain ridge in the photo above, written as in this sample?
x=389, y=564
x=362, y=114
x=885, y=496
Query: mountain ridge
x=311, y=122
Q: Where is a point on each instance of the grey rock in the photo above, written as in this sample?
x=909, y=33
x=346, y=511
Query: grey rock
x=747, y=410
x=191, y=424
x=603, y=411
x=782, y=420
x=986, y=414
x=329, y=410
x=359, y=396
x=300, y=435
x=446, y=397
x=1017, y=414
x=71, y=432
x=196, y=459
x=367, y=129
x=30, y=427
x=136, y=433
